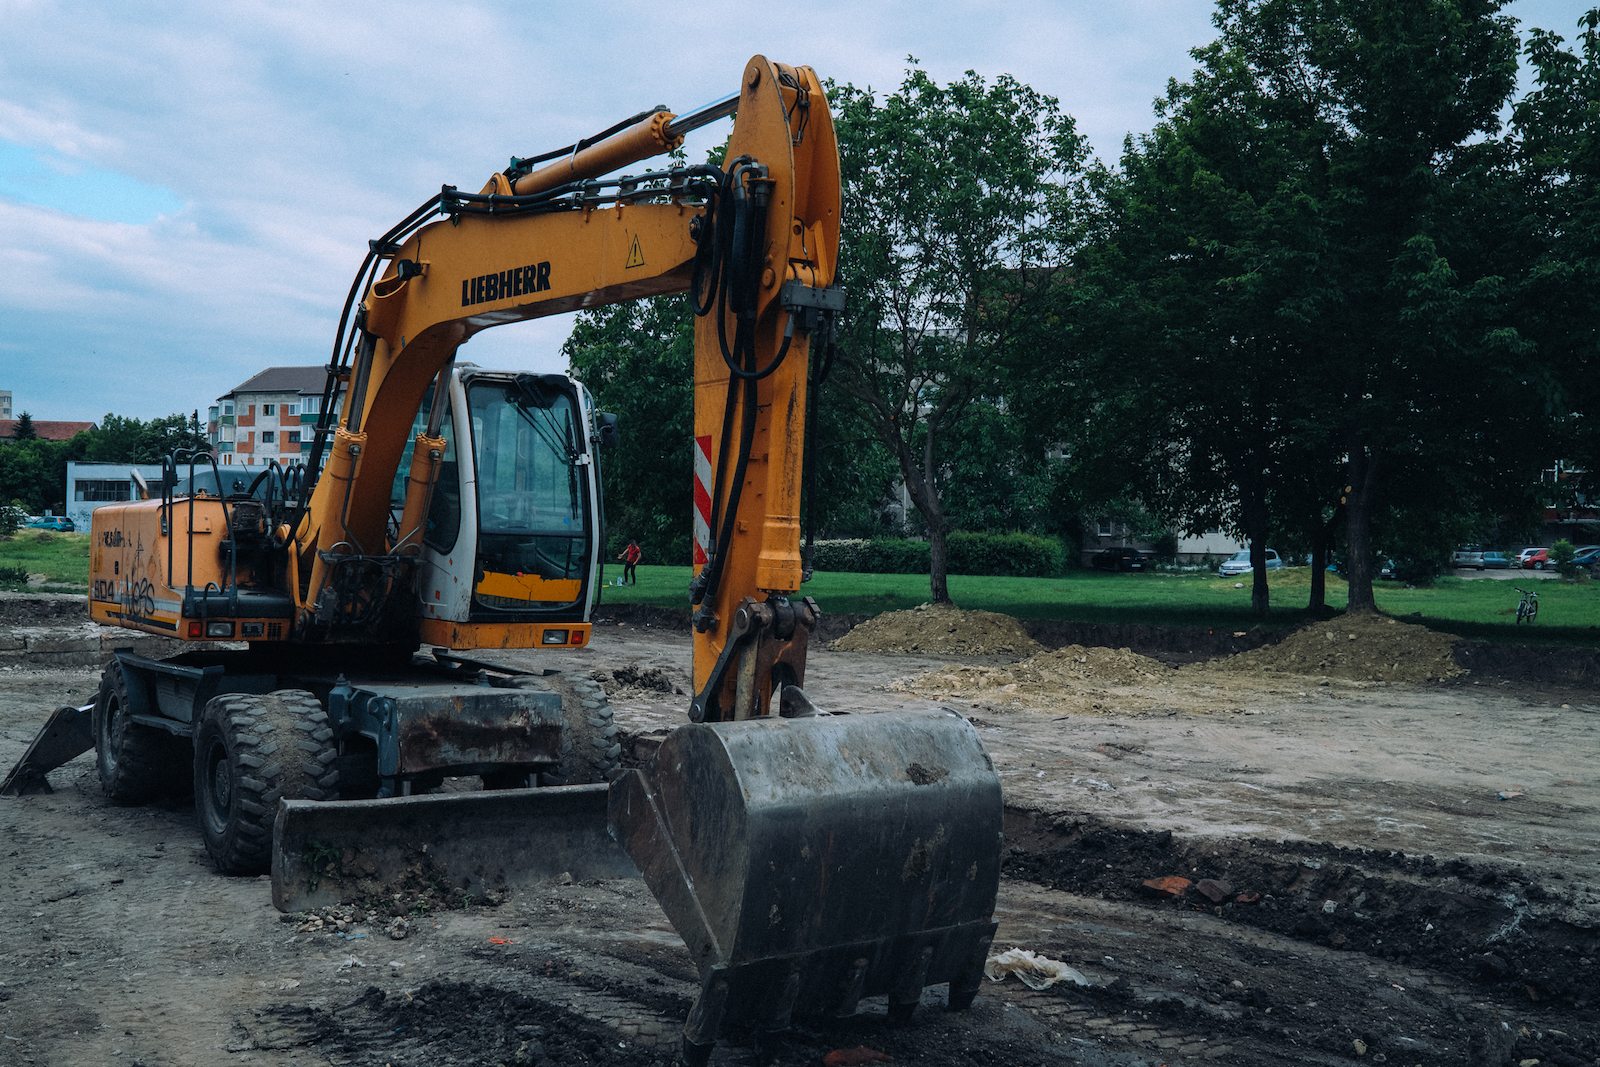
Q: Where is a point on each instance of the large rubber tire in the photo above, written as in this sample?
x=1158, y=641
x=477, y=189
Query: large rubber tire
x=137, y=763
x=590, y=751
x=249, y=752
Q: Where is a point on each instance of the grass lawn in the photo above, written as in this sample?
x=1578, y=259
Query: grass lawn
x=61, y=557
x=1482, y=608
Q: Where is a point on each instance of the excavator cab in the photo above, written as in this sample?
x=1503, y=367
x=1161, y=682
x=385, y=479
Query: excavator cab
x=512, y=535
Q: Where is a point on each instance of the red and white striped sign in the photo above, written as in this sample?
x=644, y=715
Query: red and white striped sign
x=702, y=500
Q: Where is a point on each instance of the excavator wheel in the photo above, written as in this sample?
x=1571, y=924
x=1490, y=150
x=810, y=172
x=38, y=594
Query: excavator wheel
x=590, y=751
x=137, y=763
x=249, y=752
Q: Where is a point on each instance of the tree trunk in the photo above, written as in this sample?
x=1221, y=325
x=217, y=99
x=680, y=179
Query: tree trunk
x=925, y=497
x=1358, y=527
x=938, y=562
x=1322, y=541
x=1254, y=512
x=1318, y=602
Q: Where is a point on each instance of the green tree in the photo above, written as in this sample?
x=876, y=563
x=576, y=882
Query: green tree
x=637, y=357
x=24, y=430
x=1298, y=259
x=1557, y=141
x=948, y=192
x=122, y=439
x=25, y=475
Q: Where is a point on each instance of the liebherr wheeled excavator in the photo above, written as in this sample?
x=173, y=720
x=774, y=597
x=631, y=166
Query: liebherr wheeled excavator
x=808, y=859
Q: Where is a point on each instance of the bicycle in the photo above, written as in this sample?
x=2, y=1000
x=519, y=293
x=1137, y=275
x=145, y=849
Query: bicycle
x=1528, y=610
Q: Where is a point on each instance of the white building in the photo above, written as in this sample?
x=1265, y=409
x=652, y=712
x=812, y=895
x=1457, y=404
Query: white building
x=270, y=417
x=89, y=485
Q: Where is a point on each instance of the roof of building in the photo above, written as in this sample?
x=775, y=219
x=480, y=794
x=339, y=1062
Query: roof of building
x=46, y=430
x=284, y=380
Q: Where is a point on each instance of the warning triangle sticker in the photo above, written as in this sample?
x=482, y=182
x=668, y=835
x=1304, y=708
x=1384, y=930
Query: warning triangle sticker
x=635, y=255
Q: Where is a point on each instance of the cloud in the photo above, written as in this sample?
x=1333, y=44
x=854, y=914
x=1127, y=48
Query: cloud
x=291, y=133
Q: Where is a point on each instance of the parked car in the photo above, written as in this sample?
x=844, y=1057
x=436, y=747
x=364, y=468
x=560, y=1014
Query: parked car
x=1588, y=556
x=1119, y=559
x=53, y=522
x=1239, y=563
x=1522, y=557
x=1535, y=559
x=1386, y=569
x=1496, y=561
x=1468, y=556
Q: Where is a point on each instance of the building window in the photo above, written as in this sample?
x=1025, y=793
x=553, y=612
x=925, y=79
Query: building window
x=310, y=405
x=294, y=437
x=267, y=436
x=227, y=407
x=1105, y=529
x=291, y=410
x=268, y=409
x=98, y=490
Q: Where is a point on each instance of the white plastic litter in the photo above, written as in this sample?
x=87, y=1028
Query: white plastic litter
x=1036, y=972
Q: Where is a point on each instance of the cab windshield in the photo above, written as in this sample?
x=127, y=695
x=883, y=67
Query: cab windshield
x=532, y=523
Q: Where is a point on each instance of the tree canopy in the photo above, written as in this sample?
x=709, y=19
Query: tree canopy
x=949, y=198
x=1327, y=304
x=1300, y=259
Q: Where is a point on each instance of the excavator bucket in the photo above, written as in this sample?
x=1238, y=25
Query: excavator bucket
x=66, y=734
x=472, y=844
x=810, y=862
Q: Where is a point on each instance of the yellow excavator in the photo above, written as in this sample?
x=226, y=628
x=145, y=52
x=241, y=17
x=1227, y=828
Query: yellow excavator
x=808, y=859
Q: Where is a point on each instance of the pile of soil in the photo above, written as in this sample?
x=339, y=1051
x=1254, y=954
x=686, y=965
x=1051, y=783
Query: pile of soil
x=941, y=629
x=1042, y=677
x=1361, y=648
x=623, y=679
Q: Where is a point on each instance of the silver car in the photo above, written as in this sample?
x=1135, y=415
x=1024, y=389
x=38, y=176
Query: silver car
x=1239, y=563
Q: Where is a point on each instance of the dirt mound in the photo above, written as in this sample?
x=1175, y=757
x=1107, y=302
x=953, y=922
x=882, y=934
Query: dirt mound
x=652, y=679
x=1361, y=648
x=941, y=629
x=1044, y=676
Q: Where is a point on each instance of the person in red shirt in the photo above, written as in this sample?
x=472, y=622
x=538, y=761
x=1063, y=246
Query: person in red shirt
x=630, y=557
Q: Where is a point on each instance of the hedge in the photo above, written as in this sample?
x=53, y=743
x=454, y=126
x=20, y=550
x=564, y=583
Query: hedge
x=1018, y=555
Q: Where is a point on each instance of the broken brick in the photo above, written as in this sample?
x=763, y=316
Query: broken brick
x=1214, y=890
x=1170, y=886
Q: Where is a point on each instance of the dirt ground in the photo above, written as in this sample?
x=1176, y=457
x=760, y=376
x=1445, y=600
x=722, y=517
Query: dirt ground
x=1246, y=865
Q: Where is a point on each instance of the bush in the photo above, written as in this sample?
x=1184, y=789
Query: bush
x=880, y=555
x=1015, y=554
x=1415, y=571
x=1561, y=555
x=1019, y=555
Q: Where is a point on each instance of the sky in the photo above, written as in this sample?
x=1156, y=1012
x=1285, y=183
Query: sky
x=187, y=189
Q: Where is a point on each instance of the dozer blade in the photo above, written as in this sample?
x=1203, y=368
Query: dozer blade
x=472, y=844
x=66, y=734
x=810, y=862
